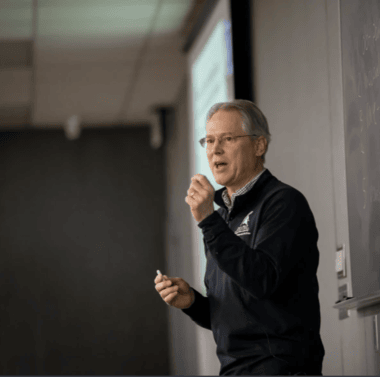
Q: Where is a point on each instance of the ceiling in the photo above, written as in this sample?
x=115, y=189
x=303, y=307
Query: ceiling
x=110, y=62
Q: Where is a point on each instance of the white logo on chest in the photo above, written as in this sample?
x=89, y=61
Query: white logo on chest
x=244, y=228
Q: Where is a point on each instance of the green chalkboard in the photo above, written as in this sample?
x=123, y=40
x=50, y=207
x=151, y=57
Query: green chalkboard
x=360, y=37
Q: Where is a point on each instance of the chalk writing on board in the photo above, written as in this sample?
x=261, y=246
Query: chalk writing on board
x=374, y=193
x=369, y=116
x=360, y=43
x=370, y=36
x=366, y=77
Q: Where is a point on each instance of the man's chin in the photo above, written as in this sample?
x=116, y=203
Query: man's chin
x=220, y=181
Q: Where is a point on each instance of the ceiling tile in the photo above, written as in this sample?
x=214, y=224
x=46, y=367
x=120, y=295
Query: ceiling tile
x=17, y=5
x=112, y=51
x=94, y=92
x=85, y=58
x=171, y=15
x=94, y=19
x=16, y=18
x=161, y=45
x=158, y=83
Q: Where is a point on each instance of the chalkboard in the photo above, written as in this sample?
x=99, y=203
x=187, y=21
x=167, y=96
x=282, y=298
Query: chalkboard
x=360, y=33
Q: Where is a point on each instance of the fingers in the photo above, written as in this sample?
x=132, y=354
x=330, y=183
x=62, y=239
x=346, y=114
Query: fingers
x=195, y=187
x=169, y=293
x=191, y=192
x=190, y=201
x=203, y=182
x=179, y=281
x=159, y=278
x=167, y=290
x=162, y=285
x=197, y=192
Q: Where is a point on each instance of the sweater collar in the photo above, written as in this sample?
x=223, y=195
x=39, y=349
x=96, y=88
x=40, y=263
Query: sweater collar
x=264, y=177
x=229, y=202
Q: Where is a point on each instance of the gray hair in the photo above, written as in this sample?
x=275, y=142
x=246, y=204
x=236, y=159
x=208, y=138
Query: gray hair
x=254, y=121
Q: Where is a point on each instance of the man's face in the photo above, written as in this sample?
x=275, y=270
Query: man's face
x=242, y=156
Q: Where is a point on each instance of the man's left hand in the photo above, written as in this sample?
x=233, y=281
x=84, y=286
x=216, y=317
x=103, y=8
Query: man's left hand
x=200, y=197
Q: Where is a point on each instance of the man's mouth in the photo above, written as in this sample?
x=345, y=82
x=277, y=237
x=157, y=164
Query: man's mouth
x=220, y=165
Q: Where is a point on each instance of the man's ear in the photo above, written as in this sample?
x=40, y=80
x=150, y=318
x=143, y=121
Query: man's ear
x=262, y=145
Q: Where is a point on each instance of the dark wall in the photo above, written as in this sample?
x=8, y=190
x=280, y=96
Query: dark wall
x=81, y=235
x=183, y=330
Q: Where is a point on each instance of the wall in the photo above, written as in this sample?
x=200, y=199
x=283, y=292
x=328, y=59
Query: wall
x=182, y=330
x=298, y=84
x=82, y=234
x=292, y=86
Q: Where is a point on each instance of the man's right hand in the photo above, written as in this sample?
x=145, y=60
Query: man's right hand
x=175, y=291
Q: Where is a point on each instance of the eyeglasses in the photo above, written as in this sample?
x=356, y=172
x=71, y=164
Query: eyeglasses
x=224, y=140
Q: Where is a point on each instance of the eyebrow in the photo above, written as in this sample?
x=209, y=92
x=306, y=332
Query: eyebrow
x=224, y=133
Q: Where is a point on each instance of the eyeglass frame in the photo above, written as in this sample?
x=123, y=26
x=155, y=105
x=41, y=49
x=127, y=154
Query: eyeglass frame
x=219, y=138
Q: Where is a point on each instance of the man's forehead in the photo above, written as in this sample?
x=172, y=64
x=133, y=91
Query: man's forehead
x=219, y=134
x=224, y=125
x=222, y=116
x=220, y=131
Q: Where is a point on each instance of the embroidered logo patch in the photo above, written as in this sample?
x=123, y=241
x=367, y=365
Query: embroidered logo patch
x=243, y=228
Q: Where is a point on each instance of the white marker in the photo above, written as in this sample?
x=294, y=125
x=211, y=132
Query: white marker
x=159, y=272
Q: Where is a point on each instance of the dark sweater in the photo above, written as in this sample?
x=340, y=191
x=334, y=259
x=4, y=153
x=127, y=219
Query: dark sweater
x=262, y=300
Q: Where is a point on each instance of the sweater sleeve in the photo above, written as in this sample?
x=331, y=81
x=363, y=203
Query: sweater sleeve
x=285, y=231
x=199, y=311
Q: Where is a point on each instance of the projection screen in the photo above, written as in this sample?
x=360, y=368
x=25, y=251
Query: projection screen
x=210, y=67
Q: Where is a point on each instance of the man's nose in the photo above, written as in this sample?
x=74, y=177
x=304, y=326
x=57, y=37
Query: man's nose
x=217, y=147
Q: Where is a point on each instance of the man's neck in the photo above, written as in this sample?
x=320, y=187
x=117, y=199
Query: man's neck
x=229, y=193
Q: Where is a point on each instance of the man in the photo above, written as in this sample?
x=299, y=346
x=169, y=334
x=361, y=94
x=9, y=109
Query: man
x=262, y=300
